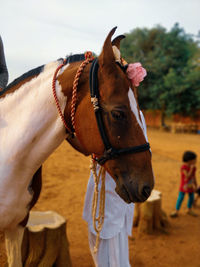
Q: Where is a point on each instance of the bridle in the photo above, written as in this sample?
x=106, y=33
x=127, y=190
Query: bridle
x=110, y=152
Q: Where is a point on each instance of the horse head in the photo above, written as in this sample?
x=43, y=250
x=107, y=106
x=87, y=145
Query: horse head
x=122, y=145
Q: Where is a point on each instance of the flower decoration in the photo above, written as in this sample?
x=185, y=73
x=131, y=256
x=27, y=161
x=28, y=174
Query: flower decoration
x=136, y=73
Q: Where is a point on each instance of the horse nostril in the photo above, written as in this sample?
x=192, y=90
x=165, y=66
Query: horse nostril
x=146, y=191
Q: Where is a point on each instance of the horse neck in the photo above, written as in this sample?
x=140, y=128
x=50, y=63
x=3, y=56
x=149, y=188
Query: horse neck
x=30, y=126
x=30, y=130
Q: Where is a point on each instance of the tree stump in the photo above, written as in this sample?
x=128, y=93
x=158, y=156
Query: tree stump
x=149, y=216
x=44, y=243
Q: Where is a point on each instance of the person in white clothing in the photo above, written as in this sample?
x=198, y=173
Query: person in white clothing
x=113, y=245
x=113, y=250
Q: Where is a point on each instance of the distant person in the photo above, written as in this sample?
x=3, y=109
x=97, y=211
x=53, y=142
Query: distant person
x=3, y=68
x=188, y=183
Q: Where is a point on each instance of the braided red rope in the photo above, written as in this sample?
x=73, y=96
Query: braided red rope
x=56, y=98
x=88, y=58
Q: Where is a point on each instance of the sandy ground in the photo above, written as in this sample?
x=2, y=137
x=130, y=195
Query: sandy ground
x=65, y=176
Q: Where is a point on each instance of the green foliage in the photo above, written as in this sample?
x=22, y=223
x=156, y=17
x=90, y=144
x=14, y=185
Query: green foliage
x=171, y=60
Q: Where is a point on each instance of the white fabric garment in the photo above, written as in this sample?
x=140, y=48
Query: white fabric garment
x=113, y=252
x=117, y=212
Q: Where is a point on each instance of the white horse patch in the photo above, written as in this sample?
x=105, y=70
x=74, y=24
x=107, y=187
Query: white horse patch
x=30, y=130
x=135, y=111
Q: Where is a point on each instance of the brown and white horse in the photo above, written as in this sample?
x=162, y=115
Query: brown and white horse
x=31, y=129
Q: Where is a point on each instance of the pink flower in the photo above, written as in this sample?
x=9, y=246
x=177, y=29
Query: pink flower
x=136, y=73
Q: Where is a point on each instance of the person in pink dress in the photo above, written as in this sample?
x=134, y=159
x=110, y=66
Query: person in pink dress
x=188, y=184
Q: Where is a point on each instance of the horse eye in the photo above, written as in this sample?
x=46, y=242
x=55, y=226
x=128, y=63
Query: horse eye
x=118, y=114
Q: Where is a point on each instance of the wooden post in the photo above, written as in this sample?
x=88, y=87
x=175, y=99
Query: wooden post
x=149, y=216
x=44, y=243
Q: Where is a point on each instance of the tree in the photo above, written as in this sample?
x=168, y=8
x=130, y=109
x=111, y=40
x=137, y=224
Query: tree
x=171, y=59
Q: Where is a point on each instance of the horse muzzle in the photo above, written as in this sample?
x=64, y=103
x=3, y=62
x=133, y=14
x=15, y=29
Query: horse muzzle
x=131, y=191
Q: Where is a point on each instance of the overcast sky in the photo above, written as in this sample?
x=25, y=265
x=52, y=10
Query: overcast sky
x=36, y=32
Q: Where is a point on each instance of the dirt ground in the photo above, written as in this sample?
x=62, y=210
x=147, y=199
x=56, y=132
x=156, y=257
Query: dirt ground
x=65, y=176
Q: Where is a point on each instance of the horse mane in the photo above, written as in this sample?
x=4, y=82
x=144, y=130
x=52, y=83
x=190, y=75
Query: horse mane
x=75, y=58
x=33, y=72
x=38, y=70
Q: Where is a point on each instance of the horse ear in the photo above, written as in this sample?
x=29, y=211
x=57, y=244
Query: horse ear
x=107, y=57
x=117, y=40
x=116, y=48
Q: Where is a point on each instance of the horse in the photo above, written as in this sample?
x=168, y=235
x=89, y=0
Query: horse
x=104, y=121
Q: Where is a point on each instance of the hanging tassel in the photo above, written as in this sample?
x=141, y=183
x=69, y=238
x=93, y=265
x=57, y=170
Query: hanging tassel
x=98, y=220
